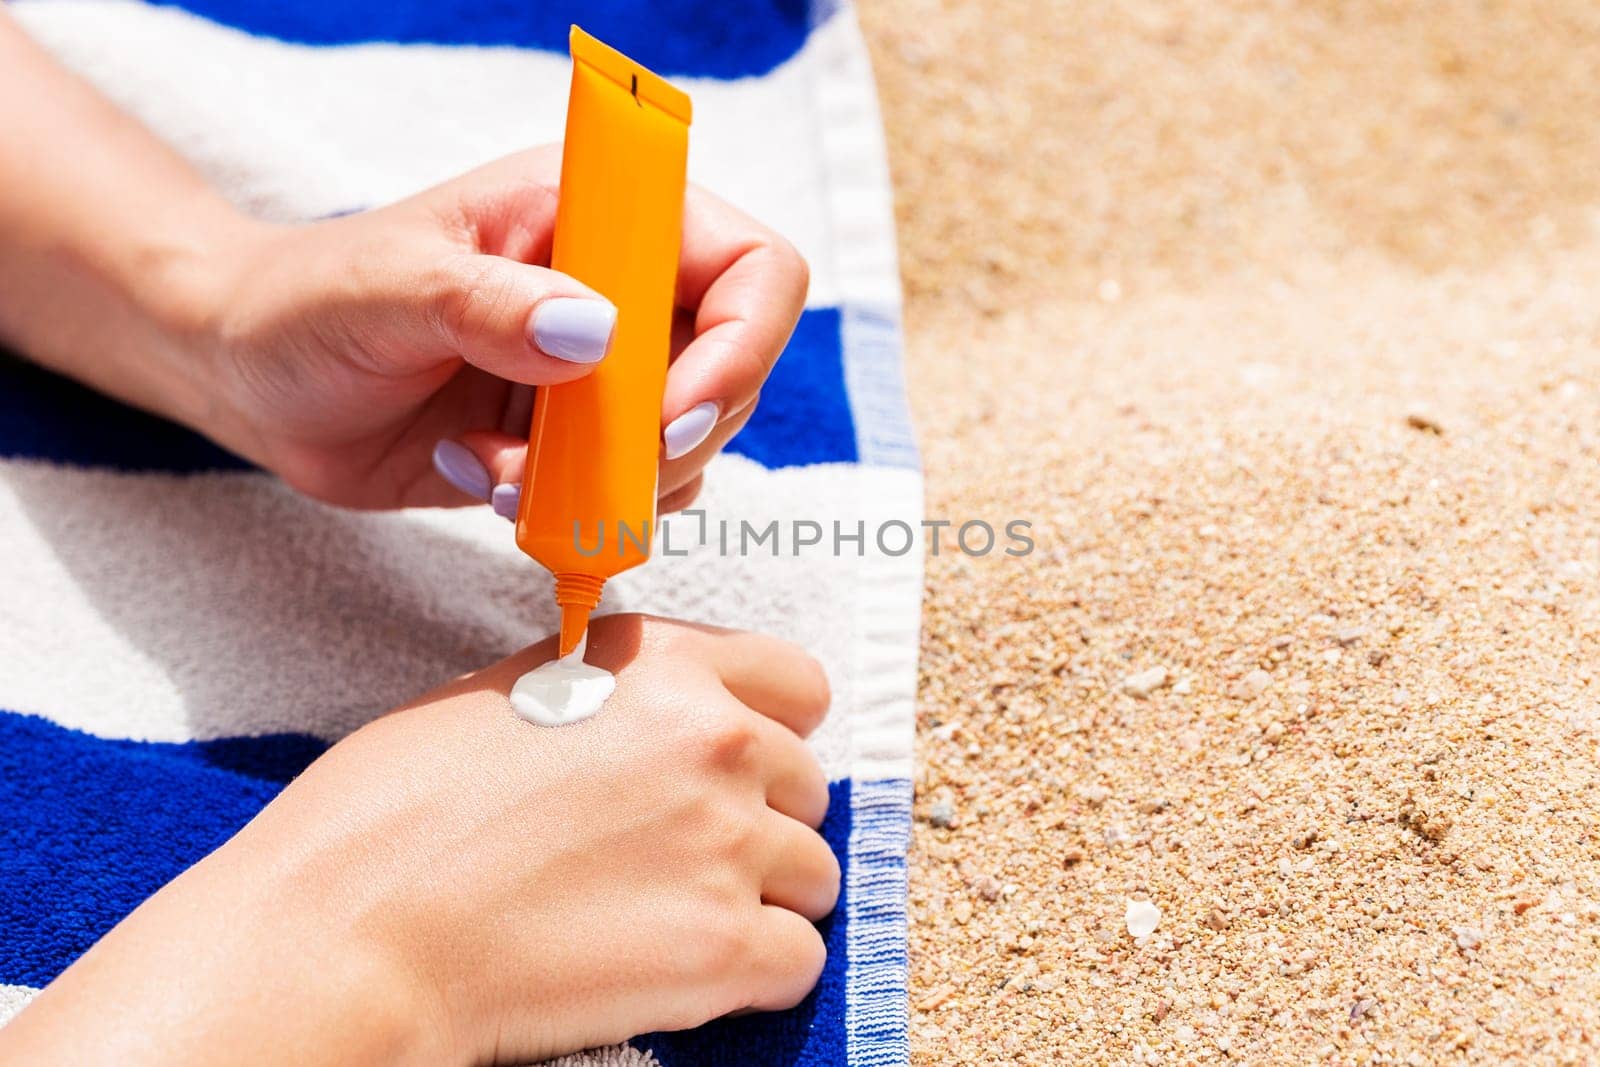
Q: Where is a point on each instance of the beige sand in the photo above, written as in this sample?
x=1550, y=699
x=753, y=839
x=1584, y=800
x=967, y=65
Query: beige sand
x=1282, y=323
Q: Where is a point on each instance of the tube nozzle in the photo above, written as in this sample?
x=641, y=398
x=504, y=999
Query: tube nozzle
x=574, y=624
x=578, y=595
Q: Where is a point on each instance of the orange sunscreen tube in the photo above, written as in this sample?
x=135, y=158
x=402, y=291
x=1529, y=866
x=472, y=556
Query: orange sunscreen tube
x=589, y=490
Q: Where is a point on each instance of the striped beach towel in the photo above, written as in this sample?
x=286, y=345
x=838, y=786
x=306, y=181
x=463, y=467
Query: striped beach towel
x=180, y=634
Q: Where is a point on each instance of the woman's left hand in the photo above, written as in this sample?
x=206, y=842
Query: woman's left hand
x=387, y=359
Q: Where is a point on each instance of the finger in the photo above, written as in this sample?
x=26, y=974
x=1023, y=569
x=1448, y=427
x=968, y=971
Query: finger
x=679, y=472
x=747, y=287
x=797, y=788
x=779, y=679
x=519, y=410
x=802, y=873
x=788, y=959
x=502, y=454
x=506, y=496
x=518, y=322
x=486, y=465
x=502, y=460
x=456, y=476
x=680, y=497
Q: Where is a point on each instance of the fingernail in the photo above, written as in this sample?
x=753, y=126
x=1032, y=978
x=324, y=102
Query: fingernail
x=573, y=329
x=685, y=433
x=505, y=499
x=457, y=465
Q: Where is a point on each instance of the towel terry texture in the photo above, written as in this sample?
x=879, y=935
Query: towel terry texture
x=180, y=634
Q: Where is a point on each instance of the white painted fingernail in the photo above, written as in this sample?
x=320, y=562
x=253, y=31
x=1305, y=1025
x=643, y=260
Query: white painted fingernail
x=685, y=433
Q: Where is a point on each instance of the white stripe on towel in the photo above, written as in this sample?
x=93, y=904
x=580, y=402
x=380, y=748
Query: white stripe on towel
x=13, y=998
x=177, y=607
x=294, y=131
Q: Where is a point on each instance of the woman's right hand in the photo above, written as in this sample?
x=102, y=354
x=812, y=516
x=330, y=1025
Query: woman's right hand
x=452, y=884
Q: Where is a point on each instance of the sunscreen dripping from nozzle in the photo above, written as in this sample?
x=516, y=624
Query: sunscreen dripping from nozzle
x=589, y=489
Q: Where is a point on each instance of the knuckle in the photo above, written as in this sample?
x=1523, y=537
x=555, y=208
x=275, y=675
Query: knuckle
x=818, y=690
x=798, y=966
x=722, y=944
x=828, y=882
x=743, y=367
x=815, y=794
x=472, y=296
x=794, y=265
x=730, y=832
x=728, y=742
x=812, y=694
x=812, y=957
x=728, y=841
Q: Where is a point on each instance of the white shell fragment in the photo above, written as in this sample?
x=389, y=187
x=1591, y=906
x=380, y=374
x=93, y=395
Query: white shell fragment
x=1141, y=685
x=1143, y=917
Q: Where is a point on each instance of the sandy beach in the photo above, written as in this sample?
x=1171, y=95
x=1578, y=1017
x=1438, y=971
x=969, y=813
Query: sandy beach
x=1280, y=324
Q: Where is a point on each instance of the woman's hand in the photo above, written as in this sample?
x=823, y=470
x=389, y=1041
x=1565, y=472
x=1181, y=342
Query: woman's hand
x=451, y=884
x=342, y=353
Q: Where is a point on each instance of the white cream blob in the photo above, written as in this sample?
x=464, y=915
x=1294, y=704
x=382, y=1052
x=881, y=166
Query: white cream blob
x=563, y=690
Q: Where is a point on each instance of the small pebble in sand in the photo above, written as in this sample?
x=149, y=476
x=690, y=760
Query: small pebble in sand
x=1142, y=918
x=1468, y=938
x=1252, y=685
x=987, y=888
x=1216, y=920
x=1094, y=795
x=1349, y=635
x=1141, y=685
x=942, y=814
x=1420, y=419
x=1429, y=825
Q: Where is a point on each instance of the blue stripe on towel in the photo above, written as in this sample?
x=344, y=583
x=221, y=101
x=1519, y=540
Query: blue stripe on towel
x=43, y=416
x=684, y=37
x=804, y=416
x=875, y=1010
x=91, y=827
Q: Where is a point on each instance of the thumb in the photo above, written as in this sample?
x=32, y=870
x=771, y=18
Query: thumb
x=518, y=322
